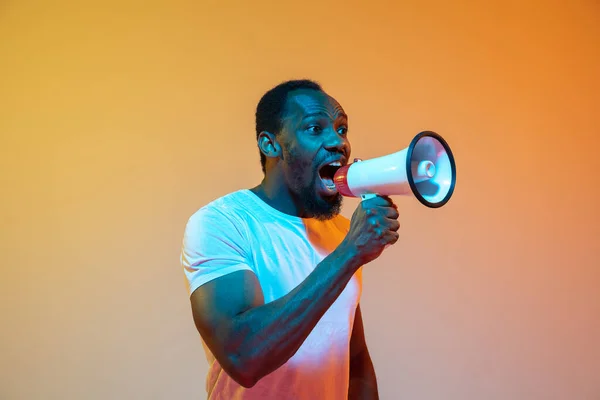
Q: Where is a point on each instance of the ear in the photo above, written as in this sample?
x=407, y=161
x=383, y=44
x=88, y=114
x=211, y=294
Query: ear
x=268, y=145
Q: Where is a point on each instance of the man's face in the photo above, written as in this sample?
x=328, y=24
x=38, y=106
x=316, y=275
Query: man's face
x=313, y=136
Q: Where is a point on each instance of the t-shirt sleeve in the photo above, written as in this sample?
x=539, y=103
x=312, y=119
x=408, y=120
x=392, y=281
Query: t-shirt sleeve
x=213, y=246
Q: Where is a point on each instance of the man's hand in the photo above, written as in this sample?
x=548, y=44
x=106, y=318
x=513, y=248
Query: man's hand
x=374, y=225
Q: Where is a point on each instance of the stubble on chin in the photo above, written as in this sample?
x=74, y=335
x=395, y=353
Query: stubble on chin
x=313, y=205
x=322, y=209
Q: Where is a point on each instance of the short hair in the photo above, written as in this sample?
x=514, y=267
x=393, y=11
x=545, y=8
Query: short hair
x=271, y=108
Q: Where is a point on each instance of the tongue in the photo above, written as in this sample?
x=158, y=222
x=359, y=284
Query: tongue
x=328, y=182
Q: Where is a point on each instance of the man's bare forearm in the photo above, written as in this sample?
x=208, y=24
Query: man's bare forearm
x=263, y=338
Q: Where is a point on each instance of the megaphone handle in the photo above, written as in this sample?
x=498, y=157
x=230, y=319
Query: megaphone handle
x=367, y=196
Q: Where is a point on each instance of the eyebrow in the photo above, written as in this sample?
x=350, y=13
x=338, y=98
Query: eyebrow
x=323, y=114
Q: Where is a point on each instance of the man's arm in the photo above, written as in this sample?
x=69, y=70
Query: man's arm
x=363, y=382
x=251, y=339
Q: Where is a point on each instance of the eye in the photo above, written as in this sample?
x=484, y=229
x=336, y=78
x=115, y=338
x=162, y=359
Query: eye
x=315, y=128
x=342, y=130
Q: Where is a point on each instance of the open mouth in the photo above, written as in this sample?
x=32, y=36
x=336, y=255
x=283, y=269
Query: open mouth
x=327, y=172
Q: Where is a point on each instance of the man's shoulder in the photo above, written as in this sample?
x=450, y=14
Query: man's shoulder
x=226, y=207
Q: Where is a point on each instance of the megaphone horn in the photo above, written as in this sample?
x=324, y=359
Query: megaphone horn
x=425, y=170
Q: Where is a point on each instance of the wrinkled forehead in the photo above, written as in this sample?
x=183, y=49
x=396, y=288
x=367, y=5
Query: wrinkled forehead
x=304, y=102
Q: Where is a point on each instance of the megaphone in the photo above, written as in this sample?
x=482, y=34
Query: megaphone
x=425, y=170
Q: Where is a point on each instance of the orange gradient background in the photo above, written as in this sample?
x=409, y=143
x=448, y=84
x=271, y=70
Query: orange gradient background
x=118, y=120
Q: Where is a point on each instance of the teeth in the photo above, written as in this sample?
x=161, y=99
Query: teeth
x=329, y=183
x=336, y=164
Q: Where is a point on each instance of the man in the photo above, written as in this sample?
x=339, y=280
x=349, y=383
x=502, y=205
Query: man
x=274, y=271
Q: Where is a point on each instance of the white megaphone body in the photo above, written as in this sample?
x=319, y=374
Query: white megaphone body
x=425, y=170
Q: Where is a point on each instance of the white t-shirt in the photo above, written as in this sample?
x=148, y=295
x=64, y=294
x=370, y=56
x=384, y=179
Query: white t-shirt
x=241, y=232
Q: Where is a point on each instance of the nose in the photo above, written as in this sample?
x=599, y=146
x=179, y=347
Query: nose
x=336, y=142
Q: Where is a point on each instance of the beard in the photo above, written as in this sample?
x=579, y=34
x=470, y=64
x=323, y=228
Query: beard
x=316, y=206
x=303, y=182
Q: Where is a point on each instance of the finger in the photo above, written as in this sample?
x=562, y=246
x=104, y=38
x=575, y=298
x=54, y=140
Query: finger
x=384, y=211
x=393, y=225
x=392, y=204
x=374, y=222
x=380, y=233
x=386, y=202
x=391, y=237
x=379, y=201
x=391, y=213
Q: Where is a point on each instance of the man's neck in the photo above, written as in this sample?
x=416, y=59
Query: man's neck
x=277, y=195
